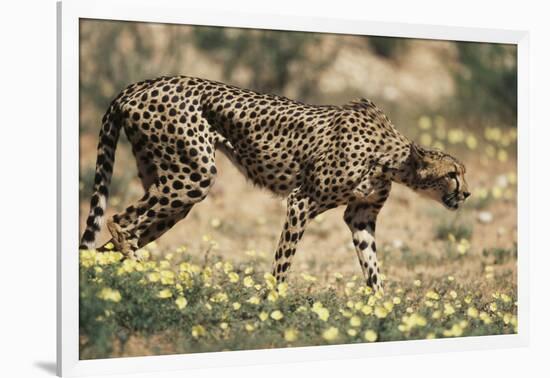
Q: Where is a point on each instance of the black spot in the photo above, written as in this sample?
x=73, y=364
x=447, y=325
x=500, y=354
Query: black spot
x=363, y=245
x=177, y=203
x=194, y=193
x=88, y=236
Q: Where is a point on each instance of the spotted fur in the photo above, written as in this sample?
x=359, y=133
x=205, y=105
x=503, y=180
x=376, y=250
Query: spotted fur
x=317, y=156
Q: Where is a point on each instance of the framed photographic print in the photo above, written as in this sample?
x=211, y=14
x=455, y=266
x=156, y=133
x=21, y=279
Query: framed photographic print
x=264, y=188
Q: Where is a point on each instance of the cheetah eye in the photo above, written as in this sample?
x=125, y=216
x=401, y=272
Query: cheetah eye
x=451, y=175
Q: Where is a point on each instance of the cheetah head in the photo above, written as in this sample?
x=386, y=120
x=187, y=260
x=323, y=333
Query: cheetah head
x=439, y=176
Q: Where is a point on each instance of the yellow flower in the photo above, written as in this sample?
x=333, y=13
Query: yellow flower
x=370, y=336
x=181, y=302
x=164, y=293
x=367, y=310
x=248, y=281
x=154, y=277
x=432, y=295
x=485, y=317
x=417, y=283
x=463, y=246
x=456, y=330
x=412, y=321
x=233, y=277
x=471, y=142
x=270, y=281
x=346, y=313
x=272, y=296
x=455, y=136
x=380, y=312
x=167, y=277
x=249, y=327
x=355, y=321
x=453, y=294
x=277, y=315
x=322, y=312
x=197, y=331
x=236, y=306
x=505, y=298
x=107, y=258
x=219, y=297
x=282, y=289
x=263, y=316
x=330, y=333
x=396, y=300
x=502, y=155
x=227, y=267
x=424, y=122
x=87, y=257
x=108, y=294
x=388, y=305
x=448, y=309
x=224, y=325
x=472, y=312
x=290, y=335
x=372, y=300
x=254, y=300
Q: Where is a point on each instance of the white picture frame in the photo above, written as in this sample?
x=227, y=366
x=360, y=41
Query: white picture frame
x=165, y=11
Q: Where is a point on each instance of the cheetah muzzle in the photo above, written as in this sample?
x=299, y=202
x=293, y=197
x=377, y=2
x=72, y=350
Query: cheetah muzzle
x=317, y=156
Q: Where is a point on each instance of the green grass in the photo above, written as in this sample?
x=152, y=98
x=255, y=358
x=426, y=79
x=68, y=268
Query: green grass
x=175, y=306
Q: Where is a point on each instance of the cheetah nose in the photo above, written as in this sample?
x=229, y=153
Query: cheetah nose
x=466, y=194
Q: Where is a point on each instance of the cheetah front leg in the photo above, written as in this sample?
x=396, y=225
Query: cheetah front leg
x=300, y=209
x=360, y=216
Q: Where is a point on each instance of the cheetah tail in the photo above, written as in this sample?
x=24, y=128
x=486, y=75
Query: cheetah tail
x=108, y=138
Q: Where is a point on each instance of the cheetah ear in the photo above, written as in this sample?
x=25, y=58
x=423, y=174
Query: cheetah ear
x=416, y=154
x=417, y=157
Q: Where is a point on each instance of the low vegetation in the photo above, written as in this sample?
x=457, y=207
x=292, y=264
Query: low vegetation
x=176, y=305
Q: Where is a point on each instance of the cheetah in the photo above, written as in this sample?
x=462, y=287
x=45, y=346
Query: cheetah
x=317, y=156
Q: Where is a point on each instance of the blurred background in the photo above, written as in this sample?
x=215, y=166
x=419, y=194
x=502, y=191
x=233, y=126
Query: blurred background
x=459, y=97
